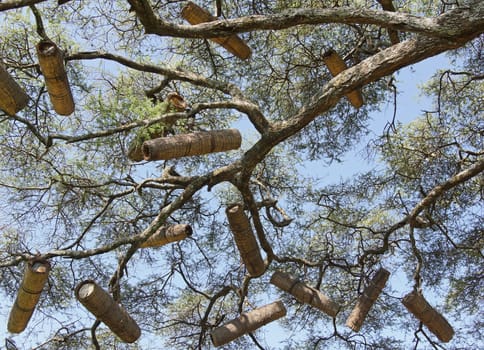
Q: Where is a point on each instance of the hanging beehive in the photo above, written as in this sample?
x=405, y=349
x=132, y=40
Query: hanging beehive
x=197, y=143
x=247, y=323
x=387, y=5
x=434, y=321
x=304, y=293
x=105, y=308
x=194, y=14
x=35, y=276
x=245, y=240
x=167, y=234
x=367, y=299
x=336, y=65
x=12, y=97
x=52, y=66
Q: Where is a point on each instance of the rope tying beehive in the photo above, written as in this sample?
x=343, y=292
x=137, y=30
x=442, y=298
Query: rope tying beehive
x=247, y=322
x=52, y=66
x=367, y=299
x=167, y=234
x=105, y=308
x=35, y=276
x=12, y=97
x=304, y=293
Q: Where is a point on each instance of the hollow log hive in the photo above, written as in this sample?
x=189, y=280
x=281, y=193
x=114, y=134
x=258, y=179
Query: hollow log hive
x=245, y=240
x=52, y=66
x=167, y=234
x=247, y=322
x=197, y=143
x=336, y=65
x=387, y=5
x=105, y=308
x=367, y=299
x=434, y=321
x=234, y=44
x=35, y=276
x=304, y=293
x=12, y=97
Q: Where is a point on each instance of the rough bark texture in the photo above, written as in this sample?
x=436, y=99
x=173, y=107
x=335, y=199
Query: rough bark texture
x=245, y=240
x=52, y=67
x=434, y=321
x=35, y=276
x=103, y=306
x=304, y=293
x=12, y=97
x=165, y=235
x=367, y=299
x=193, y=144
x=247, y=322
x=235, y=45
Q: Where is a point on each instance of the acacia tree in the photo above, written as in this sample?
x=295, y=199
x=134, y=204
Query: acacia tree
x=72, y=197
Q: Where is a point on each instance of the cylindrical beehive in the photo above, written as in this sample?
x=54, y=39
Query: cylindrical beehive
x=167, y=234
x=52, y=66
x=367, y=299
x=12, y=97
x=197, y=143
x=194, y=14
x=336, y=65
x=387, y=5
x=247, y=322
x=245, y=240
x=304, y=293
x=105, y=308
x=35, y=276
x=434, y=321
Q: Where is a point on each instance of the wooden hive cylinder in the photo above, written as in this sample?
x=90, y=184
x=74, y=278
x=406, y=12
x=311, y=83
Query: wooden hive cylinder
x=105, y=308
x=194, y=14
x=35, y=276
x=434, y=321
x=304, y=293
x=197, y=143
x=52, y=66
x=367, y=299
x=167, y=234
x=336, y=65
x=245, y=240
x=247, y=323
x=12, y=97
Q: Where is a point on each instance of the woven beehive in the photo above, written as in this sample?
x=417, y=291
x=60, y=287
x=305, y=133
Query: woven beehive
x=167, y=234
x=194, y=14
x=247, y=322
x=433, y=320
x=245, y=240
x=367, y=299
x=35, y=276
x=105, y=308
x=387, y=5
x=52, y=66
x=12, y=97
x=336, y=65
x=304, y=293
x=197, y=143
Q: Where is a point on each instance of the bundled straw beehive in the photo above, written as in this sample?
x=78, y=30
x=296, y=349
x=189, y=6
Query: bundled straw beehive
x=105, y=308
x=167, y=234
x=35, y=276
x=247, y=322
x=12, y=97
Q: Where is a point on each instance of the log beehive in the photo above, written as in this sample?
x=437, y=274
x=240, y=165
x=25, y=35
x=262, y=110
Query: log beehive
x=167, y=234
x=12, y=97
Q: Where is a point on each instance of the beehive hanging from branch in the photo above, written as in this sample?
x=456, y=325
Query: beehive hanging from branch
x=336, y=65
x=52, y=66
x=247, y=322
x=367, y=299
x=12, y=97
x=434, y=321
x=387, y=5
x=304, y=293
x=245, y=240
x=167, y=234
x=105, y=308
x=197, y=143
x=194, y=14
x=35, y=276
